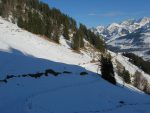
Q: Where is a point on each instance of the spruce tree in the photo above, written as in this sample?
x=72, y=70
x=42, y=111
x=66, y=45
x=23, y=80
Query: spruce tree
x=66, y=33
x=77, y=40
x=56, y=34
x=126, y=76
x=20, y=22
x=107, y=69
x=1, y=9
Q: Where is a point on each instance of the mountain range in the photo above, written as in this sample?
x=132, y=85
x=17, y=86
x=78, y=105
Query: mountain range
x=128, y=36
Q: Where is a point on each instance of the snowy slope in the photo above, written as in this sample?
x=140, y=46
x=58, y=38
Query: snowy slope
x=128, y=65
x=18, y=42
x=22, y=52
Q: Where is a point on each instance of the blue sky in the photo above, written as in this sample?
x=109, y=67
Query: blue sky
x=102, y=12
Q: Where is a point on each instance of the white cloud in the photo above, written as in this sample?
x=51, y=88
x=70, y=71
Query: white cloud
x=106, y=14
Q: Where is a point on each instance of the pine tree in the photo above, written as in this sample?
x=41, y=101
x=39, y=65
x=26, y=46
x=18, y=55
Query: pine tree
x=1, y=9
x=48, y=27
x=107, y=69
x=56, y=34
x=20, y=22
x=126, y=76
x=80, y=36
x=77, y=41
x=44, y=8
x=66, y=33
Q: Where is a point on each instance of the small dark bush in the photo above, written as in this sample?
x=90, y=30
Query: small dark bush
x=121, y=102
x=67, y=72
x=83, y=73
x=5, y=81
x=10, y=76
x=50, y=71
x=37, y=75
x=24, y=75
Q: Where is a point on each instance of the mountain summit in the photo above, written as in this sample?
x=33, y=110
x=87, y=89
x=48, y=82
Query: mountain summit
x=128, y=36
x=126, y=27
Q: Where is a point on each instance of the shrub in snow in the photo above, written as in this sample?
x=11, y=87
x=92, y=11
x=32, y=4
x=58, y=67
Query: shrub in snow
x=37, y=75
x=10, y=76
x=67, y=72
x=5, y=81
x=83, y=73
x=50, y=71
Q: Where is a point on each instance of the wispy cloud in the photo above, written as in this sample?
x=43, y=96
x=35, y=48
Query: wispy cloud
x=111, y=14
x=116, y=14
x=106, y=14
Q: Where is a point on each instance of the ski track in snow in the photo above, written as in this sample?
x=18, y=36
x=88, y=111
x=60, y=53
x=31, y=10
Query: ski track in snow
x=28, y=100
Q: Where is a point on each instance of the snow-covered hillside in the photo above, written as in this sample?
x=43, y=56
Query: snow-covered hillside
x=23, y=53
x=128, y=65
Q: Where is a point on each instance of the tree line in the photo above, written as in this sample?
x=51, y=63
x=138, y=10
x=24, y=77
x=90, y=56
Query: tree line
x=139, y=62
x=37, y=17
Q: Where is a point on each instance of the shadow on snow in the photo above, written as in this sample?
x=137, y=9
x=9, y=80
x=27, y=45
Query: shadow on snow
x=18, y=64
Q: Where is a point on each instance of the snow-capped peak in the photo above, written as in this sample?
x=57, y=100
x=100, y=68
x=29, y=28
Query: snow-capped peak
x=100, y=28
x=113, y=26
x=128, y=22
x=143, y=21
x=116, y=30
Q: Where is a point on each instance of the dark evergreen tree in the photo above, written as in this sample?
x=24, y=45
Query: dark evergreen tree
x=66, y=33
x=107, y=69
x=0, y=9
x=77, y=40
x=44, y=8
x=96, y=41
x=126, y=76
x=20, y=22
x=32, y=3
x=56, y=33
x=83, y=29
x=48, y=28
